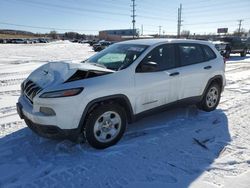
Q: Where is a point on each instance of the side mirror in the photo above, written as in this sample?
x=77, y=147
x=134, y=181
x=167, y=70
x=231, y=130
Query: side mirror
x=147, y=67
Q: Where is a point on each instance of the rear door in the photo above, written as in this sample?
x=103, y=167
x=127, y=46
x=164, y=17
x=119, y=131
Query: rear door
x=196, y=63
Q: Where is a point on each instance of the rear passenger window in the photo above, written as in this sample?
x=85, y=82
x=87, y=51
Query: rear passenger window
x=190, y=54
x=209, y=53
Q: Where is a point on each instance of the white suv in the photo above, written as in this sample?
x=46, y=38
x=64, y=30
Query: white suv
x=95, y=99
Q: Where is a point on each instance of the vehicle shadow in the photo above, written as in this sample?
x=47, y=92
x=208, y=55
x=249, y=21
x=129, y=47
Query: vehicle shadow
x=168, y=149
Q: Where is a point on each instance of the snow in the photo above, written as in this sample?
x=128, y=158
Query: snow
x=181, y=147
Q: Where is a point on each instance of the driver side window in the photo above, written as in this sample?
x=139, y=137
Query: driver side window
x=159, y=59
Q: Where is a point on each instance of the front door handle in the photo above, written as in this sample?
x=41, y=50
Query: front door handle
x=208, y=67
x=174, y=74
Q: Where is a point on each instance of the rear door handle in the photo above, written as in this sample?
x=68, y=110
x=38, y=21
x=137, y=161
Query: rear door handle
x=208, y=67
x=174, y=74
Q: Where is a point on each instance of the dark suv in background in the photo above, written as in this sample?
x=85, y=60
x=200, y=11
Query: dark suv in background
x=235, y=45
x=101, y=45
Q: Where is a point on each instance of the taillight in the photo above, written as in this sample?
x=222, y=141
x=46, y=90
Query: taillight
x=224, y=59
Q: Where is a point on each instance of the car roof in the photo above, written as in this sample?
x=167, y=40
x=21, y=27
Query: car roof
x=151, y=42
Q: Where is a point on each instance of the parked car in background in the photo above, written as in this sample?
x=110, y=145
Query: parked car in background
x=84, y=42
x=96, y=99
x=235, y=45
x=33, y=41
x=101, y=45
x=75, y=40
x=42, y=40
x=3, y=41
x=92, y=42
x=18, y=41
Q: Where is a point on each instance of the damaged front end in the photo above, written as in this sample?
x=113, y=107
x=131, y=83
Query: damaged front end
x=54, y=74
x=81, y=75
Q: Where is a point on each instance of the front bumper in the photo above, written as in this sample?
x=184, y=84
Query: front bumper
x=48, y=131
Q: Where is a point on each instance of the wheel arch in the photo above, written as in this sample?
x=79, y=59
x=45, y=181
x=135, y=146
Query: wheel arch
x=120, y=99
x=216, y=79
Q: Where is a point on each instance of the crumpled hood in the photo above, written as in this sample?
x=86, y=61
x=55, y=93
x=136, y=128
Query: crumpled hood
x=59, y=72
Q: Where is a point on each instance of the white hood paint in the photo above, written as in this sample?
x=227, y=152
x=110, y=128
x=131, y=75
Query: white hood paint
x=59, y=72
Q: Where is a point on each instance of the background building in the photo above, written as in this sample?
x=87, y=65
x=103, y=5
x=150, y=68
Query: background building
x=117, y=35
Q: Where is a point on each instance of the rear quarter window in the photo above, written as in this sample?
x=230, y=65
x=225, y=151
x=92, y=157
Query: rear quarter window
x=190, y=54
x=208, y=52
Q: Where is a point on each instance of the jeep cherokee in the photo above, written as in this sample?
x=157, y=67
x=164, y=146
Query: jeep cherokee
x=95, y=99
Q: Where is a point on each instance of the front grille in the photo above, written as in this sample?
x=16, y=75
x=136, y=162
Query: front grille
x=30, y=89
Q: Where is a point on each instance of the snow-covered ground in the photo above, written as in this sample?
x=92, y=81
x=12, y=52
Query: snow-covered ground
x=182, y=147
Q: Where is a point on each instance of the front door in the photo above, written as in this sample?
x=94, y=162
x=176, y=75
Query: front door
x=156, y=79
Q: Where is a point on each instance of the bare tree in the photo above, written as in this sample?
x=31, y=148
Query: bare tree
x=53, y=35
x=185, y=33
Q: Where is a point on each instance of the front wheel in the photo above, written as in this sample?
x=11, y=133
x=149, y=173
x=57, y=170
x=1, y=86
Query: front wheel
x=211, y=98
x=105, y=126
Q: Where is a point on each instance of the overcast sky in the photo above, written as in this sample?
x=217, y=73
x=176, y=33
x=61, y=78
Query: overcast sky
x=90, y=16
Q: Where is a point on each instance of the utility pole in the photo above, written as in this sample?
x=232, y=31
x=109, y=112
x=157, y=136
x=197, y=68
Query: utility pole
x=141, y=29
x=133, y=17
x=179, y=21
x=239, y=30
x=160, y=30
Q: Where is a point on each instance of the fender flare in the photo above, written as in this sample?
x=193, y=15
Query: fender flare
x=91, y=105
x=215, y=78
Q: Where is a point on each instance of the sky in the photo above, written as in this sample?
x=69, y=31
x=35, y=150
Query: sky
x=91, y=16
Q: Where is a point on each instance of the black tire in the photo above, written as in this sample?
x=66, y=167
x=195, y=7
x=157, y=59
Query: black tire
x=244, y=53
x=206, y=103
x=94, y=116
x=227, y=54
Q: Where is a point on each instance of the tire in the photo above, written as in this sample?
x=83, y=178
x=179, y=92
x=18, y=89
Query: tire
x=105, y=126
x=227, y=54
x=244, y=53
x=211, y=98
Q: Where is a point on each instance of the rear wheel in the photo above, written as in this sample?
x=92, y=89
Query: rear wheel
x=105, y=126
x=227, y=54
x=211, y=98
x=244, y=53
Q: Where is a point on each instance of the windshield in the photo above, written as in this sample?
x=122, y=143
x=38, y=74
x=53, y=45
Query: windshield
x=117, y=56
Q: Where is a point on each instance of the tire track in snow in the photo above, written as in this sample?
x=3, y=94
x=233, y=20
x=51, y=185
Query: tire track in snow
x=7, y=111
x=6, y=74
x=13, y=81
x=10, y=92
x=234, y=159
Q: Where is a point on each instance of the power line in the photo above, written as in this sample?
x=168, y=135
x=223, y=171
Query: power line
x=103, y=4
x=74, y=8
x=217, y=5
x=47, y=28
x=221, y=21
x=211, y=11
x=156, y=17
x=86, y=10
